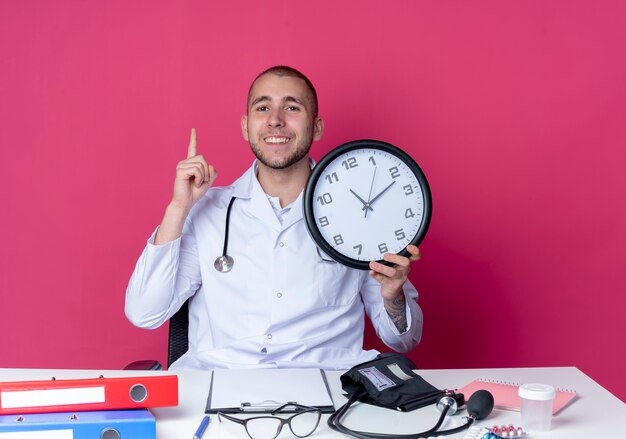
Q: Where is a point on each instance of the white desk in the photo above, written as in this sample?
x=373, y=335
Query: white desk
x=596, y=412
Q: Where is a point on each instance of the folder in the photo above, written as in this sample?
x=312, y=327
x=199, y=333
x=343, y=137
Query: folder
x=136, y=424
x=264, y=390
x=21, y=397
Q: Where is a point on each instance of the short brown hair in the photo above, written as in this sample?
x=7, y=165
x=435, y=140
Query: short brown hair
x=289, y=71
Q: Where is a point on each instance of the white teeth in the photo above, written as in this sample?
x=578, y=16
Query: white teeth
x=277, y=140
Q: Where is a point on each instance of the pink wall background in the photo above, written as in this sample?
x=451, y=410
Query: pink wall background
x=515, y=110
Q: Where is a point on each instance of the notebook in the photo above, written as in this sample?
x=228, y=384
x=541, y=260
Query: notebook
x=505, y=394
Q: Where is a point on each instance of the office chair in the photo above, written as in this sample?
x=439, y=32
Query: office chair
x=177, y=343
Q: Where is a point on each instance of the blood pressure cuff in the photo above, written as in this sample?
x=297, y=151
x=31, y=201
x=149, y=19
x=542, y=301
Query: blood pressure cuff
x=389, y=381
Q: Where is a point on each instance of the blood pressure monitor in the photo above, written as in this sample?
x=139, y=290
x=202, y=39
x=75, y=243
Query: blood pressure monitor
x=366, y=198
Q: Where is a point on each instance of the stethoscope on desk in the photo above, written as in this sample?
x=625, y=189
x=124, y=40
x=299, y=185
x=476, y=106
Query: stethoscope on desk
x=225, y=262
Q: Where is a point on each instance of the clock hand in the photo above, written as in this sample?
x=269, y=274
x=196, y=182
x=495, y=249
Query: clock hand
x=378, y=196
x=365, y=203
x=369, y=197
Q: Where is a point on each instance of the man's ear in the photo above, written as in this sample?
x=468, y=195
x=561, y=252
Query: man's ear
x=244, y=128
x=318, y=128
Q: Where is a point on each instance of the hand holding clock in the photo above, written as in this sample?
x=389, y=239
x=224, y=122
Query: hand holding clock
x=391, y=279
x=385, y=244
x=352, y=237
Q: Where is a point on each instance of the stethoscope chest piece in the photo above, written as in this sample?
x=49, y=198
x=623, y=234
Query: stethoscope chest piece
x=224, y=263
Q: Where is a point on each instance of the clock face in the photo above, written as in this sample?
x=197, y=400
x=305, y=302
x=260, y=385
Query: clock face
x=364, y=199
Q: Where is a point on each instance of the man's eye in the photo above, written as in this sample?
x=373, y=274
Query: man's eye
x=261, y=108
x=293, y=108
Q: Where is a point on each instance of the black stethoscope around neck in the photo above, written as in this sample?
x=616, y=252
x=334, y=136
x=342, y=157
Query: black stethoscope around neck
x=225, y=262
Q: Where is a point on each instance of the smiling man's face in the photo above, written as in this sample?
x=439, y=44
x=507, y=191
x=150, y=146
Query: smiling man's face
x=280, y=124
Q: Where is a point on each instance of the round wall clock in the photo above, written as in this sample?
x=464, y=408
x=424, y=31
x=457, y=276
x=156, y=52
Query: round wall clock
x=366, y=198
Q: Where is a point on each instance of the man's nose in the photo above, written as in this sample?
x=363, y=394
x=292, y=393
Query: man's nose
x=275, y=118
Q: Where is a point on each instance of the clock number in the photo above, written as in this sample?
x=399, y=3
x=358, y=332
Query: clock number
x=400, y=234
x=323, y=221
x=383, y=248
x=338, y=239
x=331, y=177
x=325, y=199
x=358, y=247
x=350, y=163
x=395, y=173
x=409, y=213
x=408, y=189
x=371, y=159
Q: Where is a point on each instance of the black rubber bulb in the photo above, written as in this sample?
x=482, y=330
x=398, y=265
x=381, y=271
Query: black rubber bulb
x=480, y=404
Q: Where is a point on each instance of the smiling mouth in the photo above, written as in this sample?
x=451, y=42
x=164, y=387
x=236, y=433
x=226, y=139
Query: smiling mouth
x=277, y=140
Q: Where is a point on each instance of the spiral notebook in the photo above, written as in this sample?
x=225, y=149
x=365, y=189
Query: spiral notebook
x=505, y=394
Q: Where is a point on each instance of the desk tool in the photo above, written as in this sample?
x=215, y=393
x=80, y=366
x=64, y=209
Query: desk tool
x=268, y=426
x=202, y=427
x=21, y=397
x=264, y=390
x=390, y=381
x=107, y=424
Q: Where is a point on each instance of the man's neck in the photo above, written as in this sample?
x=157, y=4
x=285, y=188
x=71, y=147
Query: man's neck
x=286, y=184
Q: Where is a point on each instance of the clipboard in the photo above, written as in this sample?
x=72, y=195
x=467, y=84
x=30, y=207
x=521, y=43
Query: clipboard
x=264, y=390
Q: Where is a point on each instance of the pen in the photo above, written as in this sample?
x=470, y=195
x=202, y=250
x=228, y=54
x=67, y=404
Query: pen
x=200, y=431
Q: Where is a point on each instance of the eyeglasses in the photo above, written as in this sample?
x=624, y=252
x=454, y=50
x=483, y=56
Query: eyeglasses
x=302, y=424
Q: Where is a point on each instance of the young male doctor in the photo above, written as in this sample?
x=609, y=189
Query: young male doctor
x=281, y=304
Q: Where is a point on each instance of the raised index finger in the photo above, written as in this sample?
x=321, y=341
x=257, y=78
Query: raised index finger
x=192, y=151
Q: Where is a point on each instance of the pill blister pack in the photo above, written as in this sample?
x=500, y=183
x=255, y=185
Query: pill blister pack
x=496, y=432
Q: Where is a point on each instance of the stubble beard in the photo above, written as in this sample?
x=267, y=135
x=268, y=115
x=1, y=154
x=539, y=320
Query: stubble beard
x=302, y=149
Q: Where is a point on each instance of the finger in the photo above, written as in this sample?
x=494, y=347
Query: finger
x=414, y=253
x=209, y=172
x=385, y=282
x=199, y=160
x=397, y=259
x=195, y=173
x=192, y=170
x=211, y=175
x=382, y=269
x=192, y=150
